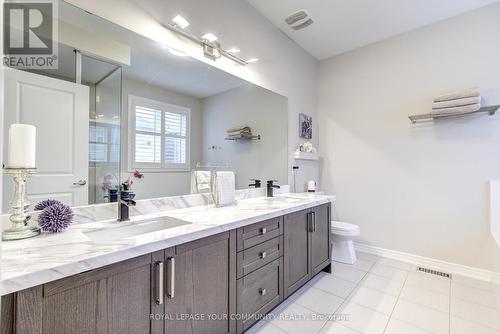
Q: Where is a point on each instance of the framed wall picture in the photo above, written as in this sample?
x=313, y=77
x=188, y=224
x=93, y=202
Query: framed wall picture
x=305, y=126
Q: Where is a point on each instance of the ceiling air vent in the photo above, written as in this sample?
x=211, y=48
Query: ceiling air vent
x=434, y=272
x=299, y=20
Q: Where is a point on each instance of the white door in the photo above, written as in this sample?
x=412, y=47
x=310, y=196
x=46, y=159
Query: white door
x=60, y=111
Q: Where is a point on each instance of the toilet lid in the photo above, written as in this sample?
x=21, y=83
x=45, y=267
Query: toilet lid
x=344, y=227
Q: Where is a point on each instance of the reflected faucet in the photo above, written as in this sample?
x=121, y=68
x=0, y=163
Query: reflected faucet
x=256, y=183
x=126, y=201
x=270, y=187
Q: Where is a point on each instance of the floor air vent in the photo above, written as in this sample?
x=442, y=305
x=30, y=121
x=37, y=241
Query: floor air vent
x=434, y=272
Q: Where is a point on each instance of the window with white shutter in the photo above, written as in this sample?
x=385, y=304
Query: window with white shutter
x=159, y=135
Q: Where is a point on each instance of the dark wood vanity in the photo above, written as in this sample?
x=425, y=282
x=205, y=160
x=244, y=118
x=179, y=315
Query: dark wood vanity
x=216, y=285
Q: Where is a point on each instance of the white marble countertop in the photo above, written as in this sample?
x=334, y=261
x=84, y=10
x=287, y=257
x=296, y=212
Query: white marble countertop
x=82, y=247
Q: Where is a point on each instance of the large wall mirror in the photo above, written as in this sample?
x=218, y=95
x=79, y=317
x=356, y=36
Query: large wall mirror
x=123, y=107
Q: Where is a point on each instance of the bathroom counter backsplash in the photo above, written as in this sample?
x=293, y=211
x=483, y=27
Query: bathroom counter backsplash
x=30, y=262
x=105, y=211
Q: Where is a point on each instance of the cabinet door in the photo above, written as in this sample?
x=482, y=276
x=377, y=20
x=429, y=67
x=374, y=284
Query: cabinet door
x=201, y=286
x=7, y=314
x=112, y=299
x=320, y=253
x=296, y=245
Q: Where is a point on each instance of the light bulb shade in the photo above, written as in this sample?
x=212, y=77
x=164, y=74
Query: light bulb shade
x=180, y=22
x=209, y=37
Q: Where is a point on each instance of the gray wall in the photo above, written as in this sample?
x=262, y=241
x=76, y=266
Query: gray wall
x=161, y=184
x=415, y=188
x=266, y=114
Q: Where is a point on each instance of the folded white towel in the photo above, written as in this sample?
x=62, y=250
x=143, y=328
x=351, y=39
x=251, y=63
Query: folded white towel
x=224, y=188
x=456, y=110
x=239, y=129
x=201, y=181
x=457, y=103
x=471, y=92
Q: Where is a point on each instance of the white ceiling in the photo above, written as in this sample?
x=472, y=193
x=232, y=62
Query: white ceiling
x=151, y=63
x=344, y=25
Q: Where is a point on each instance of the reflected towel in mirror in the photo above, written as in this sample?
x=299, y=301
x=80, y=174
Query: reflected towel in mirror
x=201, y=181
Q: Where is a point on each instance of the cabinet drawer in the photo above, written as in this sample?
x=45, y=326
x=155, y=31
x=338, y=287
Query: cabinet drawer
x=249, y=236
x=258, y=293
x=257, y=256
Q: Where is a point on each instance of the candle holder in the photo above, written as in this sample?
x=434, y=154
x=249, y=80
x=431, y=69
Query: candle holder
x=19, y=219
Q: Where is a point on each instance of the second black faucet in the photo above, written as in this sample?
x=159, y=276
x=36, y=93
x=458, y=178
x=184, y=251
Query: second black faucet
x=270, y=187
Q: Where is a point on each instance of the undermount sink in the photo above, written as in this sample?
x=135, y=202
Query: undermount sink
x=282, y=199
x=267, y=203
x=129, y=229
x=255, y=206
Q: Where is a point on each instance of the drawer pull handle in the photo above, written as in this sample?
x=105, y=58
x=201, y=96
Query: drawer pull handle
x=263, y=255
x=263, y=292
x=263, y=230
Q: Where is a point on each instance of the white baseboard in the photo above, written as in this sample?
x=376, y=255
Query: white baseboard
x=453, y=268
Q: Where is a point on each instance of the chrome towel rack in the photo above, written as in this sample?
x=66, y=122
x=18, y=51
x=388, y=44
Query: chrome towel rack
x=213, y=165
x=491, y=110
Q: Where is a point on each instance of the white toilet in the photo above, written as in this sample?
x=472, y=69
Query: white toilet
x=342, y=245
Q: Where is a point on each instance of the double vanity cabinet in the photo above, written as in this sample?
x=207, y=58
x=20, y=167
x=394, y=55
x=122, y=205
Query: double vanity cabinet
x=220, y=284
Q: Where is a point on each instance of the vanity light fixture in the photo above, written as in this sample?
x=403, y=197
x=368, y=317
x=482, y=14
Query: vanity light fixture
x=209, y=37
x=211, y=48
x=180, y=22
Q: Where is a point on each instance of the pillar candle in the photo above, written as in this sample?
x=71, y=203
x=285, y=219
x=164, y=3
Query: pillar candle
x=22, y=146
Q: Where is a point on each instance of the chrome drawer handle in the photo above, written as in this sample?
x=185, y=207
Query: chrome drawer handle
x=263, y=255
x=263, y=292
x=263, y=230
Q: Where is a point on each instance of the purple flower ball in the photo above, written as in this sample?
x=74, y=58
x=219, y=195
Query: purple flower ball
x=48, y=202
x=55, y=218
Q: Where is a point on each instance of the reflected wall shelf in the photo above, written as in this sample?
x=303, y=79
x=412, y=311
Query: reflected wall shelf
x=430, y=117
x=298, y=155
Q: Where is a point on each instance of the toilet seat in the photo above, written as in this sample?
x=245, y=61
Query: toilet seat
x=345, y=229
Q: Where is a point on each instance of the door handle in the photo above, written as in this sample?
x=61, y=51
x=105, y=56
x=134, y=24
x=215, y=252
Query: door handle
x=80, y=183
x=171, y=278
x=313, y=221
x=158, y=268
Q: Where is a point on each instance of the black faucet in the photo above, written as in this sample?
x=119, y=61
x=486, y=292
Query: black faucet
x=270, y=186
x=256, y=183
x=126, y=201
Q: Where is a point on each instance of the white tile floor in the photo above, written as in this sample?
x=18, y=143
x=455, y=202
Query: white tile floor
x=380, y=295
